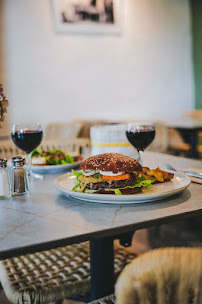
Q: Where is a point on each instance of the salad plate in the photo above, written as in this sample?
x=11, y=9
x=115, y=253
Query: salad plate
x=55, y=168
x=54, y=160
x=158, y=191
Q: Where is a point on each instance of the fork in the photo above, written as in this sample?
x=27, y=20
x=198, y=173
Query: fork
x=187, y=172
x=169, y=167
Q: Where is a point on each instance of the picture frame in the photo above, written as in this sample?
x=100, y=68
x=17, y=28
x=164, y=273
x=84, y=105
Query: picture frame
x=87, y=17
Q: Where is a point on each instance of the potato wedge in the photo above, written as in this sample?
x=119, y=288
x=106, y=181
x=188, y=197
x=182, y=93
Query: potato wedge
x=157, y=174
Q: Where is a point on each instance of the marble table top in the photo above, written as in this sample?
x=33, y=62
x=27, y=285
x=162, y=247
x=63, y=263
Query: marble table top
x=47, y=219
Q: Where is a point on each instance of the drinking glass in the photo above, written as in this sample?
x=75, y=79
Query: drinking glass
x=140, y=135
x=27, y=137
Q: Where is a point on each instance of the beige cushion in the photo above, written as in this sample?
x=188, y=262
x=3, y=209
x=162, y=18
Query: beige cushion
x=169, y=275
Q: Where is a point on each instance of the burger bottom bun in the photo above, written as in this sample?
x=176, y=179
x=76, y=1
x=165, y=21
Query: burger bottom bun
x=131, y=190
x=123, y=191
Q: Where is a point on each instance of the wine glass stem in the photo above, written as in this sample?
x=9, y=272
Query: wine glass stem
x=140, y=156
x=29, y=164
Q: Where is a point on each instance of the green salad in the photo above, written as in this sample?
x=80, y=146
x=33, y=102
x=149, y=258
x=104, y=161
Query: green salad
x=53, y=157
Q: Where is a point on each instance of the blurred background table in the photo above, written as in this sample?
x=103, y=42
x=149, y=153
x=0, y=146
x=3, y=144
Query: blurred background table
x=189, y=128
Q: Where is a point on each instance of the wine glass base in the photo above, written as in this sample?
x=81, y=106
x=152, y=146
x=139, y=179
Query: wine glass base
x=35, y=176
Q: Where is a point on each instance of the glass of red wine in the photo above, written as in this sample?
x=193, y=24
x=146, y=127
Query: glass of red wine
x=140, y=135
x=27, y=137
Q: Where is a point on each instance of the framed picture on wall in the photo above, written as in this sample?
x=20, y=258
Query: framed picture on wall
x=96, y=17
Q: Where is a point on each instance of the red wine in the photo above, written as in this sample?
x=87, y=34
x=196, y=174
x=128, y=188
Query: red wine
x=27, y=140
x=141, y=139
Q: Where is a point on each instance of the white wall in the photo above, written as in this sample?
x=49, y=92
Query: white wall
x=146, y=72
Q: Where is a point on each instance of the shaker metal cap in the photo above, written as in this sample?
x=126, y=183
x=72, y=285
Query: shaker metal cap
x=18, y=161
x=3, y=163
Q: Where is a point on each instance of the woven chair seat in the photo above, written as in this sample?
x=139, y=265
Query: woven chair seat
x=107, y=300
x=53, y=275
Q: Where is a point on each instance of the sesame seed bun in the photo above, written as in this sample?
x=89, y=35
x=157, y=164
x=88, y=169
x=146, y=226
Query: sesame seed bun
x=114, y=162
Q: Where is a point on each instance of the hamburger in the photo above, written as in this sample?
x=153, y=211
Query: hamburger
x=110, y=173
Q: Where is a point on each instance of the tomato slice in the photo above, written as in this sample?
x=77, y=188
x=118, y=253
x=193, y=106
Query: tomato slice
x=119, y=177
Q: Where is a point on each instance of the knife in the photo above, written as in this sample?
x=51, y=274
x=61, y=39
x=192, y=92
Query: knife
x=191, y=173
x=187, y=172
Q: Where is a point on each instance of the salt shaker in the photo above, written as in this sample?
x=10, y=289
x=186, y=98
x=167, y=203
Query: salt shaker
x=5, y=191
x=19, y=176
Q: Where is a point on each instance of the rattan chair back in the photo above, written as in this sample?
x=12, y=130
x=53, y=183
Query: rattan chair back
x=78, y=145
x=160, y=142
x=8, y=149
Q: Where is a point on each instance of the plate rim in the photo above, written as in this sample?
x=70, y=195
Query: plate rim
x=124, y=198
x=54, y=167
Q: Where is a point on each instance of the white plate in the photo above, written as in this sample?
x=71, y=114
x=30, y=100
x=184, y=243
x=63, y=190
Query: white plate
x=66, y=182
x=55, y=168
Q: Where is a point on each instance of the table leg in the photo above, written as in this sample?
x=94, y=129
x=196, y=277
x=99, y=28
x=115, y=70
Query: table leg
x=126, y=239
x=193, y=144
x=190, y=137
x=102, y=267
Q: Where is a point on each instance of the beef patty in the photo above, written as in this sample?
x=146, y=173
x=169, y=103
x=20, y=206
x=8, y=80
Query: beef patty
x=114, y=184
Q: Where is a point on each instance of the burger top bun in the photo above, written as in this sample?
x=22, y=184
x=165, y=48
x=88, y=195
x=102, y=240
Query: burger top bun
x=114, y=162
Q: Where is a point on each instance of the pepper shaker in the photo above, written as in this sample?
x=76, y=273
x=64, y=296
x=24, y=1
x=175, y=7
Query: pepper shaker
x=19, y=176
x=5, y=190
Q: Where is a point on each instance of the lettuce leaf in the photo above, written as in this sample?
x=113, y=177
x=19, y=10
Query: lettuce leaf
x=63, y=162
x=117, y=191
x=89, y=190
x=36, y=152
x=52, y=161
x=76, y=186
x=97, y=175
x=69, y=159
x=77, y=173
x=57, y=151
x=141, y=182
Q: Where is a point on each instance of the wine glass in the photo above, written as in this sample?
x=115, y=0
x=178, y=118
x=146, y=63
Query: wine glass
x=27, y=137
x=140, y=135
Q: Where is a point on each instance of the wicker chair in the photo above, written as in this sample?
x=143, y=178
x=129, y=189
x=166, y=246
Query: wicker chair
x=163, y=276
x=177, y=146
x=160, y=143
x=78, y=145
x=53, y=275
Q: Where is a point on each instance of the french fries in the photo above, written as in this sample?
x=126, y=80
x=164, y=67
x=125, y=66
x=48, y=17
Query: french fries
x=157, y=174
